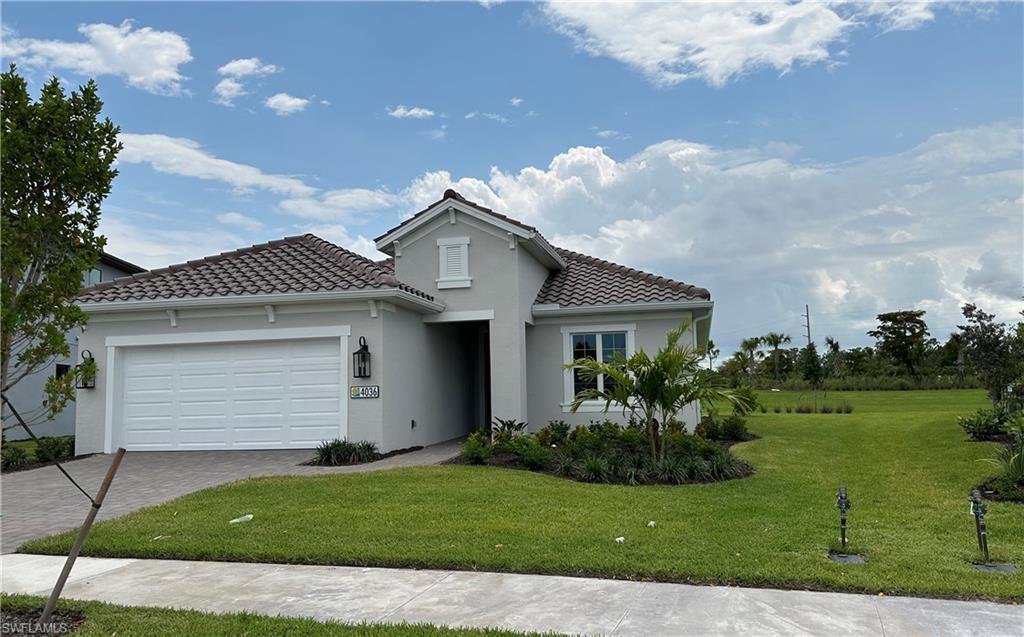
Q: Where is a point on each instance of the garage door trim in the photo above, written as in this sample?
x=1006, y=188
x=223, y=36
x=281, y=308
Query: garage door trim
x=113, y=343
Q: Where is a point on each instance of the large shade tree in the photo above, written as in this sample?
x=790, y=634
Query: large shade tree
x=902, y=337
x=55, y=171
x=653, y=389
x=989, y=349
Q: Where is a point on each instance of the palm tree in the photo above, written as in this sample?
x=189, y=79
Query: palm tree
x=653, y=388
x=712, y=353
x=750, y=347
x=836, y=354
x=775, y=340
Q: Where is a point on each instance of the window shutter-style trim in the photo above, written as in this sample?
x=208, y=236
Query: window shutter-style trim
x=453, y=263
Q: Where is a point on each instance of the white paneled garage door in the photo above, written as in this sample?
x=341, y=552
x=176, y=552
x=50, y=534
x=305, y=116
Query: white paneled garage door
x=242, y=395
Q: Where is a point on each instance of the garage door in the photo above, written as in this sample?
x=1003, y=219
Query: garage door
x=245, y=395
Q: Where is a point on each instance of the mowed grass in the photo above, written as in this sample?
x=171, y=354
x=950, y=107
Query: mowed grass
x=110, y=619
x=902, y=456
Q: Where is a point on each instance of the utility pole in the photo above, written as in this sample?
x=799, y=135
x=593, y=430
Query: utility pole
x=807, y=316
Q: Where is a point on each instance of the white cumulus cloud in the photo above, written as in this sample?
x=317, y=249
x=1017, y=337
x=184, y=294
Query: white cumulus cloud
x=227, y=91
x=146, y=58
x=232, y=86
x=719, y=41
x=284, y=104
x=767, y=232
x=410, y=112
x=244, y=67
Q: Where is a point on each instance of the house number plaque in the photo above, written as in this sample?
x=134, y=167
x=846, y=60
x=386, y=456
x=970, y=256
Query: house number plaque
x=364, y=391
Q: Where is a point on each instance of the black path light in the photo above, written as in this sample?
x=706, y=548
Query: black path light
x=843, y=504
x=361, y=360
x=978, y=510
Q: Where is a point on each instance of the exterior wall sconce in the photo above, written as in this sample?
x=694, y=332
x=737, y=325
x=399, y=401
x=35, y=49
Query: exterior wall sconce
x=87, y=374
x=361, y=360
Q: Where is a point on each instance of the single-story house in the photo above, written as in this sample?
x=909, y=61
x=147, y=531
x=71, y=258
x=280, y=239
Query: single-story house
x=291, y=342
x=28, y=394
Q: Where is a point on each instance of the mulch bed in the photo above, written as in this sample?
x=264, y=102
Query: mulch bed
x=993, y=489
x=380, y=456
x=25, y=621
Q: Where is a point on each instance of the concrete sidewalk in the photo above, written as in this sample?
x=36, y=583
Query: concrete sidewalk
x=518, y=602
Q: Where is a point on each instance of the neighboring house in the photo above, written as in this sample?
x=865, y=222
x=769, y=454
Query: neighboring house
x=27, y=395
x=472, y=317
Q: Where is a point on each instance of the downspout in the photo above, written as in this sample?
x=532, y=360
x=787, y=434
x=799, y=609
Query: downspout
x=696, y=321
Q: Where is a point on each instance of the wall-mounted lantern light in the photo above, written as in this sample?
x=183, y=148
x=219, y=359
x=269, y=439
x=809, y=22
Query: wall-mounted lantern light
x=87, y=372
x=361, y=360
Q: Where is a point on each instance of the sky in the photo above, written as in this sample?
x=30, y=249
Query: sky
x=853, y=157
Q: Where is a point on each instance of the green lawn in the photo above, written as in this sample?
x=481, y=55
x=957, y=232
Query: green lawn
x=108, y=619
x=901, y=454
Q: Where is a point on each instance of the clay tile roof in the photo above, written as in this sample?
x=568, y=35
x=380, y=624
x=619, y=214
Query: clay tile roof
x=304, y=263
x=451, y=194
x=592, y=281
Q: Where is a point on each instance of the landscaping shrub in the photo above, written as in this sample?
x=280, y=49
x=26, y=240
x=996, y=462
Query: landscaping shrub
x=13, y=458
x=530, y=453
x=504, y=429
x=789, y=409
x=593, y=468
x=986, y=424
x=58, y=448
x=605, y=452
x=734, y=427
x=707, y=428
x=777, y=409
x=477, y=448
x=342, y=452
x=1009, y=462
x=554, y=433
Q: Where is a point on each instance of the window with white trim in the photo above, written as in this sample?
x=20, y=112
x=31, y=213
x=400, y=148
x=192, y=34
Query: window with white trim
x=597, y=343
x=453, y=263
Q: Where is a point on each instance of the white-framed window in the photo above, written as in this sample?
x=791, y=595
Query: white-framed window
x=598, y=342
x=453, y=263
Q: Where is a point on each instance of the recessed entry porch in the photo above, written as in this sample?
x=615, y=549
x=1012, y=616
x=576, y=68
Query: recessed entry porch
x=471, y=341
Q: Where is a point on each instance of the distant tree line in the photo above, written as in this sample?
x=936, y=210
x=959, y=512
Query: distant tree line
x=982, y=353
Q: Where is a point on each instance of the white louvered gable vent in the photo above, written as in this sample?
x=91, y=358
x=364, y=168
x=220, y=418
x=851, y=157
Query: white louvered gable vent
x=453, y=265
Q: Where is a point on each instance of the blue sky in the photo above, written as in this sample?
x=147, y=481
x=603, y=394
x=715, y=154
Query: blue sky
x=856, y=157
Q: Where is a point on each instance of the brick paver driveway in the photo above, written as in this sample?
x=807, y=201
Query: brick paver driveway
x=42, y=502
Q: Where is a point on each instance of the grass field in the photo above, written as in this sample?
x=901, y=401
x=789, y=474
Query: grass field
x=108, y=619
x=902, y=456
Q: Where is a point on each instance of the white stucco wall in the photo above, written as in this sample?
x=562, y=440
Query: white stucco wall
x=546, y=375
x=365, y=416
x=427, y=378
x=505, y=280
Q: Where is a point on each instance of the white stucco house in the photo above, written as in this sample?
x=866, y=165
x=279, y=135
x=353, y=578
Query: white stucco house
x=471, y=317
x=27, y=396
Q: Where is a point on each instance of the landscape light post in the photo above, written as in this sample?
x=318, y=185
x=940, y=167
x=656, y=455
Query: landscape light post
x=843, y=504
x=978, y=510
